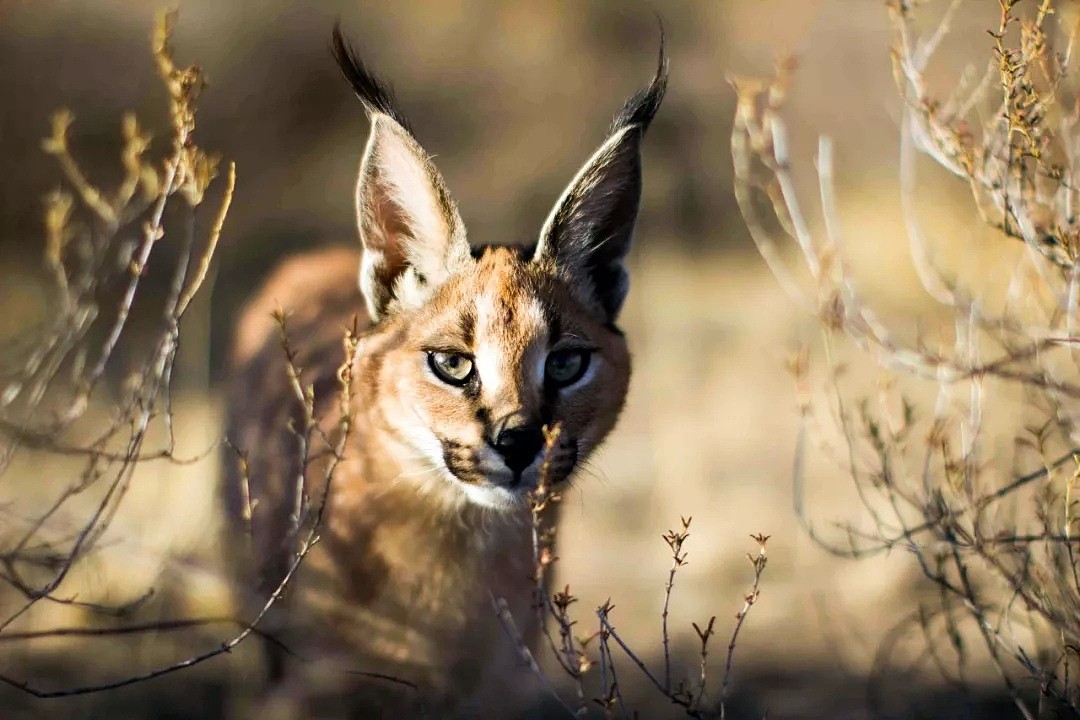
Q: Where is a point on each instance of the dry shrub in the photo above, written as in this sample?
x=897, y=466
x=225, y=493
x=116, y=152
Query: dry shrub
x=67, y=374
x=588, y=658
x=966, y=453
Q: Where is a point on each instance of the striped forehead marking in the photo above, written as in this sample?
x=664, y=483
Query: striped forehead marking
x=510, y=321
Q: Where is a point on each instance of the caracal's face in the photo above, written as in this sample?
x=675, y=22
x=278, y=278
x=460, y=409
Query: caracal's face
x=478, y=356
x=501, y=352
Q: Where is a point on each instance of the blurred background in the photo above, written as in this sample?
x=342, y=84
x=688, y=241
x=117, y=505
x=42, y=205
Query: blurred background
x=510, y=97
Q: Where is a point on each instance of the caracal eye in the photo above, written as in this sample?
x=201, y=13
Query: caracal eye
x=565, y=367
x=451, y=368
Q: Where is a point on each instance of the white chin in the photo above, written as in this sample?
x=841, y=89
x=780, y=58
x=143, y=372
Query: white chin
x=491, y=496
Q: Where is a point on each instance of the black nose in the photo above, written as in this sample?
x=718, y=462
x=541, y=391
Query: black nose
x=519, y=446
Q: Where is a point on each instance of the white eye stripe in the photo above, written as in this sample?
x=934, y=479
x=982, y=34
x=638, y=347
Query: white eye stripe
x=538, y=369
x=488, y=363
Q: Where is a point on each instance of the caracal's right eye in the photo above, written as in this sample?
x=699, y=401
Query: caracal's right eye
x=451, y=368
x=566, y=367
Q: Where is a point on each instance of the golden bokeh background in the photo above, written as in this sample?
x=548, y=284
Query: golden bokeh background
x=511, y=97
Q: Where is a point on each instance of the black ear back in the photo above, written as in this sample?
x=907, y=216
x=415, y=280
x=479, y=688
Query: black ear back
x=589, y=231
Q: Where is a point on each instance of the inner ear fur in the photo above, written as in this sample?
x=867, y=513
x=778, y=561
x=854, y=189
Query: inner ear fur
x=412, y=234
x=410, y=229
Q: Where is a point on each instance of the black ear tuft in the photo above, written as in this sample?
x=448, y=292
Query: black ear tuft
x=376, y=95
x=410, y=229
x=641, y=108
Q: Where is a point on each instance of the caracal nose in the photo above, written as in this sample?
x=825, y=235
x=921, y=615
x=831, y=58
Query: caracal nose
x=519, y=445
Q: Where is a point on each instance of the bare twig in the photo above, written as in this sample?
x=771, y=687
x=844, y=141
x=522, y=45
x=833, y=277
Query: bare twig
x=758, y=562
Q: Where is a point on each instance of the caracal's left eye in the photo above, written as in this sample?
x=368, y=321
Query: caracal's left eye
x=565, y=367
x=451, y=368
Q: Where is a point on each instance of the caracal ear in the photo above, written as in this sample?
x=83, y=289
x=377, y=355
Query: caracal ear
x=411, y=232
x=588, y=234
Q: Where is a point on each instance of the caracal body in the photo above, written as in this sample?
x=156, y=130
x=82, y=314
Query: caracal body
x=464, y=355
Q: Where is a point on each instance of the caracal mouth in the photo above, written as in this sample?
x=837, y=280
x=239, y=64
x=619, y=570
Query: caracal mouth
x=503, y=490
x=489, y=483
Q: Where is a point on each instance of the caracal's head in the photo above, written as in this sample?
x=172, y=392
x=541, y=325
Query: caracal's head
x=478, y=349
